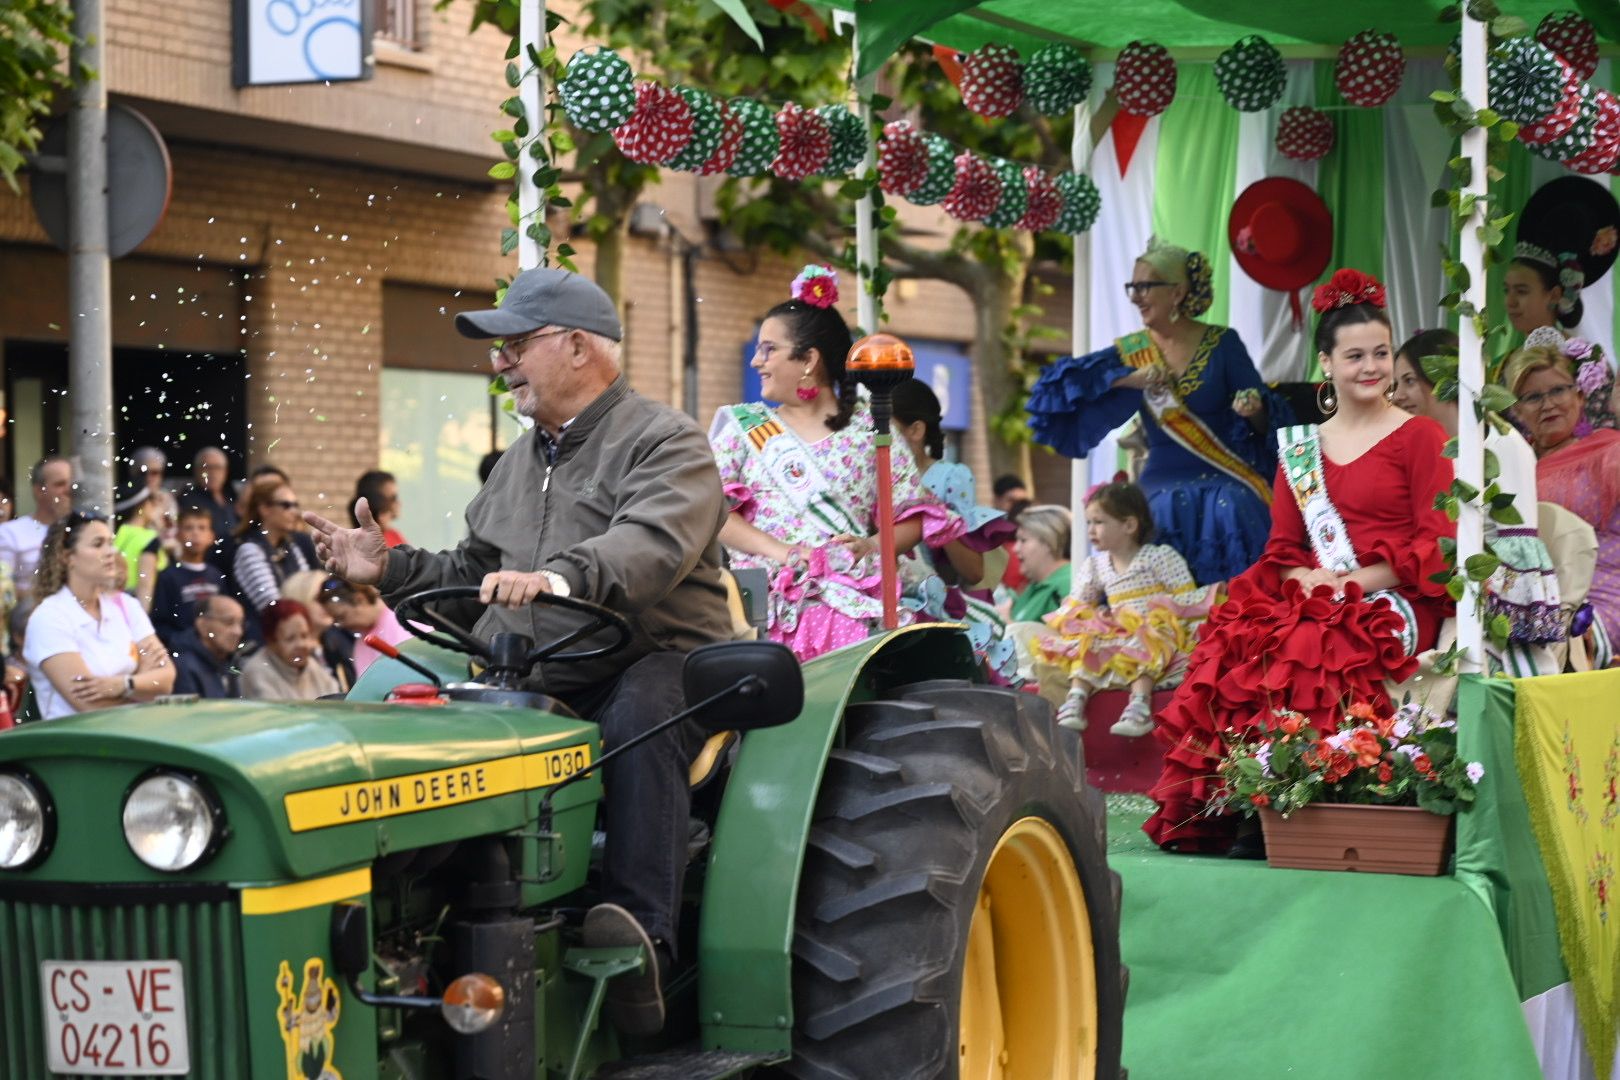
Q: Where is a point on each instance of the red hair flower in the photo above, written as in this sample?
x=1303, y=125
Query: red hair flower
x=816, y=286
x=1347, y=287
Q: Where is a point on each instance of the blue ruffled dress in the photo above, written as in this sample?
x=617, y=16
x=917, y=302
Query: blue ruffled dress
x=1218, y=524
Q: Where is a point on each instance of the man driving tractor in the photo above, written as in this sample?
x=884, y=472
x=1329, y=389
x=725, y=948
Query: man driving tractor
x=612, y=499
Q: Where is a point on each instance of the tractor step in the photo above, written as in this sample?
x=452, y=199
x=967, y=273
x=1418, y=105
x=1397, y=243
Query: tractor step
x=685, y=1065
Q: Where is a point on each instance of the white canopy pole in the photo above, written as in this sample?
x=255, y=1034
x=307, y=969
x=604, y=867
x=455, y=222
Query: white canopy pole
x=1080, y=334
x=867, y=311
x=532, y=92
x=1470, y=364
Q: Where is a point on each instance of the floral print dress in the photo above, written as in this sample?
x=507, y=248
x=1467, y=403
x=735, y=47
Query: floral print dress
x=833, y=600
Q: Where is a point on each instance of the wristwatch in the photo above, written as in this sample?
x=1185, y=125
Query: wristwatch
x=559, y=584
x=129, y=687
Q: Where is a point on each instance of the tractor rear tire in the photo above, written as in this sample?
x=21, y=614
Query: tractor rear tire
x=956, y=914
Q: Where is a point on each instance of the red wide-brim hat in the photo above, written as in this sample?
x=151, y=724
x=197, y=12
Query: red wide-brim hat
x=1281, y=233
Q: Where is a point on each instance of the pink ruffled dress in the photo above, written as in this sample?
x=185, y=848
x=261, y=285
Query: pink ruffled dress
x=834, y=600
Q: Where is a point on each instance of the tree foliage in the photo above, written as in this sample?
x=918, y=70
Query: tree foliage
x=34, y=36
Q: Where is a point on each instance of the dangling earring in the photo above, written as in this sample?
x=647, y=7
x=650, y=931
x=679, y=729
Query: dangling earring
x=1389, y=394
x=1175, y=314
x=1326, y=400
x=807, y=393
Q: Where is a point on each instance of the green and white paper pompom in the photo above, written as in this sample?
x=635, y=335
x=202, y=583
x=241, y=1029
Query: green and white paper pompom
x=1251, y=74
x=598, y=92
x=848, y=139
x=759, y=139
x=708, y=124
x=1081, y=202
x=1056, y=79
x=1014, y=195
x=1527, y=80
x=941, y=172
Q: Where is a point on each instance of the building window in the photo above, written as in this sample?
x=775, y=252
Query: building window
x=396, y=22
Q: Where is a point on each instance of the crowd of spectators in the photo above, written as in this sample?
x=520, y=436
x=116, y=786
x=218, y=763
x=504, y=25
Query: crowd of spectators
x=204, y=590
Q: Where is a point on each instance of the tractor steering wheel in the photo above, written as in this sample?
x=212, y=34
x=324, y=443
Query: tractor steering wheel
x=448, y=634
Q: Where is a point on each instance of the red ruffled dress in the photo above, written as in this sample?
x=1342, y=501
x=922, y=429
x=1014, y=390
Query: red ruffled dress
x=1271, y=646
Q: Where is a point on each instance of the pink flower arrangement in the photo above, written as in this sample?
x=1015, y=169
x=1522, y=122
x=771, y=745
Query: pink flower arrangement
x=1590, y=376
x=817, y=286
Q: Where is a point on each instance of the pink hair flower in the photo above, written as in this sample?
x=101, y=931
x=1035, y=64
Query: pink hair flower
x=1577, y=348
x=817, y=286
x=1591, y=376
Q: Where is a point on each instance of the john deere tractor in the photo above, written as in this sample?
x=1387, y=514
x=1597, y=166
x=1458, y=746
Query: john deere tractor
x=896, y=871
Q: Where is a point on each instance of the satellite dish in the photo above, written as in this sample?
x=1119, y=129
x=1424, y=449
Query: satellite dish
x=139, y=179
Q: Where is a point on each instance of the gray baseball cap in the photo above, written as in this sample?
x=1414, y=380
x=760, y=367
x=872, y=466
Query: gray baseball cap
x=545, y=296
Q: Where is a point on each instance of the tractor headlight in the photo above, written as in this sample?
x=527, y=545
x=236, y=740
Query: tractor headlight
x=26, y=818
x=171, y=821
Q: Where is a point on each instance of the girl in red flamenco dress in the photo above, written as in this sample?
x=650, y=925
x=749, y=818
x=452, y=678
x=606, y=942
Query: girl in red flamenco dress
x=1341, y=598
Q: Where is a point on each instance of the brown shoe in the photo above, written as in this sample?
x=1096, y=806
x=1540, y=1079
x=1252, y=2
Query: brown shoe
x=635, y=1001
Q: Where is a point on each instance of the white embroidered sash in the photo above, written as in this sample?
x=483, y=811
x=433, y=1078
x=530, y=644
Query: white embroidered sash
x=1301, y=452
x=792, y=469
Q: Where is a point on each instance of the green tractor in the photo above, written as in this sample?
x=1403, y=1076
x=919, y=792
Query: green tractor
x=895, y=871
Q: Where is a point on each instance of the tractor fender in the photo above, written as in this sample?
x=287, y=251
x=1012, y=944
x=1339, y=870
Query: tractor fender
x=746, y=928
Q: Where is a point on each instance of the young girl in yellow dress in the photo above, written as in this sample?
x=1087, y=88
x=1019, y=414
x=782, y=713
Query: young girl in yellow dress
x=1132, y=616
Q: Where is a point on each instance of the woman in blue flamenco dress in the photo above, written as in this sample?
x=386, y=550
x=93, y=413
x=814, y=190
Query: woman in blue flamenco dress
x=1210, y=421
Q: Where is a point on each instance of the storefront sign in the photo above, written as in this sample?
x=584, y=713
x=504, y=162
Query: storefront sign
x=300, y=41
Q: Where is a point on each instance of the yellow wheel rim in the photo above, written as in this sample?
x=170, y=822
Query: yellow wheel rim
x=1029, y=981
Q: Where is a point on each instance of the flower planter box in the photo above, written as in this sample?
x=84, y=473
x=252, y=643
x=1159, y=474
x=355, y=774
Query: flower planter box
x=1372, y=839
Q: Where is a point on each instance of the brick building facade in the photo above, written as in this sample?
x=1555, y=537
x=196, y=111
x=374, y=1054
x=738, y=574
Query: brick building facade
x=317, y=241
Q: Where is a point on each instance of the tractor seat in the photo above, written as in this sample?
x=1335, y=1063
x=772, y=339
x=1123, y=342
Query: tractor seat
x=745, y=599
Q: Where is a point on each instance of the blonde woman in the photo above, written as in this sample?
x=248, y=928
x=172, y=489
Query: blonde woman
x=88, y=645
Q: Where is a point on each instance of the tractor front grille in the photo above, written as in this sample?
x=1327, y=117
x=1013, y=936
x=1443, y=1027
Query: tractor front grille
x=203, y=934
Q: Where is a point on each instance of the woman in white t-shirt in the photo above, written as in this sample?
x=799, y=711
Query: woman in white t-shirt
x=89, y=645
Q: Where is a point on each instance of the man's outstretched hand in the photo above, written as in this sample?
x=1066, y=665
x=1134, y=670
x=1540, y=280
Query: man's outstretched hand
x=356, y=555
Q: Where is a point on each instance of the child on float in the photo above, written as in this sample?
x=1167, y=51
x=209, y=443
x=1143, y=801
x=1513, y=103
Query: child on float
x=1132, y=617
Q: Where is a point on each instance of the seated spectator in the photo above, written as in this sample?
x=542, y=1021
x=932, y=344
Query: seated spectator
x=88, y=645
x=381, y=492
x=245, y=488
x=140, y=538
x=1043, y=553
x=270, y=543
x=312, y=588
x=358, y=611
x=190, y=581
x=205, y=655
x=288, y=668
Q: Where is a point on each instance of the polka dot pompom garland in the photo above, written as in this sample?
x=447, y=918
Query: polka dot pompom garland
x=1369, y=68
x=977, y=189
x=598, y=91
x=731, y=139
x=1043, y=201
x=902, y=158
x=806, y=143
x=1251, y=74
x=1145, y=79
x=848, y=139
x=1527, y=80
x=708, y=124
x=1014, y=195
x=1604, y=153
x=759, y=143
x=1056, y=79
x=660, y=127
x=1577, y=138
x=1304, y=133
x=1081, y=202
x=1542, y=131
x=992, y=81
x=941, y=176
x=1573, y=39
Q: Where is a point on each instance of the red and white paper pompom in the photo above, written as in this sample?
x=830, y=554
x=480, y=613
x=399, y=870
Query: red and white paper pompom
x=1604, y=153
x=731, y=139
x=1304, y=133
x=1145, y=78
x=1556, y=123
x=806, y=143
x=992, y=81
x=1573, y=38
x=660, y=127
x=1369, y=68
x=902, y=158
x=1045, y=201
x=977, y=189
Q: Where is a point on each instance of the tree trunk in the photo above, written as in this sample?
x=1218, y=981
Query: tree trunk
x=994, y=302
x=610, y=261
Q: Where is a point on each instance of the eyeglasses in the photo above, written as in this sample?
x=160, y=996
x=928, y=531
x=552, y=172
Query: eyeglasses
x=769, y=349
x=1554, y=395
x=509, y=349
x=1138, y=289
x=285, y=504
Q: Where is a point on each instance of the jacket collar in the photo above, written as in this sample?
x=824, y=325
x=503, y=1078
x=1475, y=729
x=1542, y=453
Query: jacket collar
x=580, y=427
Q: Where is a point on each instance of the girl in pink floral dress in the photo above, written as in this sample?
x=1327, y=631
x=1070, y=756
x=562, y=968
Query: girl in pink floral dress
x=801, y=480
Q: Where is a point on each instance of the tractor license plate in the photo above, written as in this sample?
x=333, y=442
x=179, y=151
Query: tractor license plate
x=115, y=1017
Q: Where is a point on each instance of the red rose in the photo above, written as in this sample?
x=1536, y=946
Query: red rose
x=1367, y=748
x=1291, y=724
x=1422, y=764
x=1363, y=712
x=1385, y=773
x=1260, y=798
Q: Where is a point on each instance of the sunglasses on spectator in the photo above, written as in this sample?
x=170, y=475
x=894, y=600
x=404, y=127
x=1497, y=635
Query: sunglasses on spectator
x=1555, y=395
x=285, y=504
x=1138, y=289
